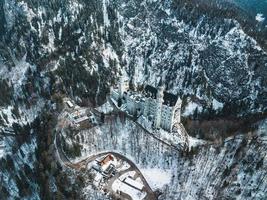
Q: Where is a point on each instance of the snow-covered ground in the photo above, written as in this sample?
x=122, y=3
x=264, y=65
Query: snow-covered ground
x=2, y=149
x=190, y=108
x=184, y=177
x=26, y=115
x=193, y=142
x=24, y=156
x=105, y=108
x=216, y=105
x=17, y=74
x=119, y=186
x=157, y=178
x=259, y=17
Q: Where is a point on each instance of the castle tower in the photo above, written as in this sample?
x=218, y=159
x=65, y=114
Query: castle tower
x=133, y=81
x=178, y=110
x=159, y=102
x=121, y=87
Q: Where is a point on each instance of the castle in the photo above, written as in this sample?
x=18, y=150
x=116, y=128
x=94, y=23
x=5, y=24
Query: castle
x=157, y=105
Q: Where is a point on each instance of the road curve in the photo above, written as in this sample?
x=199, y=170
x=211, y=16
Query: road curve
x=83, y=163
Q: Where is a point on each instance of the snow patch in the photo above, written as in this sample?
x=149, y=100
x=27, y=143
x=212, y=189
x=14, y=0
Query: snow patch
x=74, y=9
x=105, y=13
x=190, y=108
x=108, y=54
x=105, y=108
x=119, y=186
x=26, y=115
x=193, y=142
x=259, y=17
x=17, y=75
x=157, y=178
x=2, y=149
x=216, y=104
x=28, y=11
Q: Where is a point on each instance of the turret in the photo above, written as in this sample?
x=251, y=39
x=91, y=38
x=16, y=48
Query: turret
x=121, y=86
x=160, y=93
x=134, y=80
x=177, y=108
x=159, y=100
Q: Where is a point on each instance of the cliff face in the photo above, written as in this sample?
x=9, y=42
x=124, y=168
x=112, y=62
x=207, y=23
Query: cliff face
x=79, y=48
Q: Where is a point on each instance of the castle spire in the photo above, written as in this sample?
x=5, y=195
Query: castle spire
x=160, y=94
x=160, y=83
x=160, y=90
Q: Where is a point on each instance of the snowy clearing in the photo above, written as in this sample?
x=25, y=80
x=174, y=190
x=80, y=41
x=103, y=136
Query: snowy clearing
x=156, y=177
x=193, y=142
x=190, y=108
x=119, y=186
x=105, y=108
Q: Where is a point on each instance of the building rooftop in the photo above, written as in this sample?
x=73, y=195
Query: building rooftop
x=151, y=91
x=107, y=159
x=133, y=183
x=168, y=98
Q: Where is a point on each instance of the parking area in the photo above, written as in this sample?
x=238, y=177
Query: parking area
x=118, y=178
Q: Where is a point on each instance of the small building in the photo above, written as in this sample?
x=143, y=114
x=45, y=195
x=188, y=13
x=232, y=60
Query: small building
x=81, y=119
x=109, y=171
x=106, y=166
x=106, y=160
x=78, y=115
x=133, y=183
x=123, y=188
x=78, y=112
x=70, y=104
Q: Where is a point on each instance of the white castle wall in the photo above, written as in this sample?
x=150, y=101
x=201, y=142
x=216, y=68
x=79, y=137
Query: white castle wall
x=115, y=95
x=162, y=115
x=167, y=117
x=131, y=105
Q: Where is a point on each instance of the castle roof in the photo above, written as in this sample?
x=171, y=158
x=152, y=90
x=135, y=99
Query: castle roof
x=151, y=91
x=168, y=98
x=160, y=83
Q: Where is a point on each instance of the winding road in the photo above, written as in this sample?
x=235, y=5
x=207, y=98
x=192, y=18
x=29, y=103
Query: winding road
x=83, y=164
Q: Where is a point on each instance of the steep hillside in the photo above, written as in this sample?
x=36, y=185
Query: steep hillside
x=232, y=169
x=203, y=52
x=210, y=57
